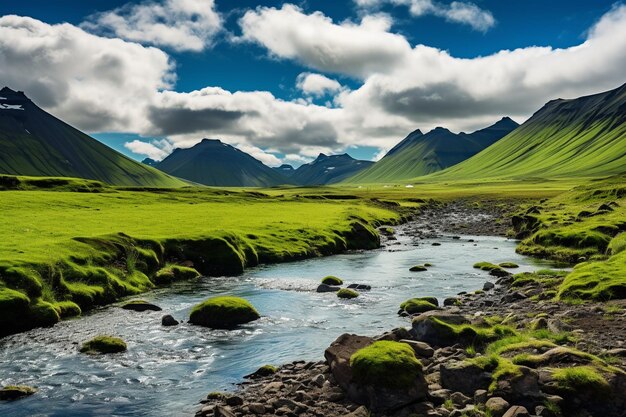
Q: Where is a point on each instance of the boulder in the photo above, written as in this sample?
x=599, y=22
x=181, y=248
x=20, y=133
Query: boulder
x=488, y=286
x=497, y=406
x=327, y=288
x=464, y=377
x=360, y=287
x=420, y=348
x=382, y=375
x=103, y=344
x=168, y=320
x=346, y=293
x=427, y=327
x=262, y=372
x=15, y=392
x=516, y=411
x=332, y=280
x=140, y=305
x=223, y=313
x=451, y=301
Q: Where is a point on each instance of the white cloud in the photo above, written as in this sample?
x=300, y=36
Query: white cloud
x=92, y=82
x=316, y=84
x=156, y=151
x=356, y=49
x=258, y=153
x=458, y=11
x=182, y=25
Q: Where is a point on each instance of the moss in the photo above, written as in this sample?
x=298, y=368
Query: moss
x=581, y=378
x=468, y=334
x=600, y=281
x=386, y=364
x=347, y=293
x=14, y=392
x=67, y=309
x=266, y=370
x=332, y=280
x=418, y=268
x=418, y=305
x=174, y=273
x=486, y=266
x=104, y=344
x=223, y=312
x=508, y=265
x=216, y=396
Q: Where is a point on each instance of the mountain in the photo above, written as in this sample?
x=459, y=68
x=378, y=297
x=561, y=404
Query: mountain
x=285, y=169
x=212, y=162
x=35, y=143
x=328, y=169
x=583, y=137
x=149, y=161
x=420, y=154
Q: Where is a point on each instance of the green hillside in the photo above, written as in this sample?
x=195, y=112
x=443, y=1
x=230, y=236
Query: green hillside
x=420, y=154
x=212, y=162
x=35, y=143
x=328, y=169
x=583, y=137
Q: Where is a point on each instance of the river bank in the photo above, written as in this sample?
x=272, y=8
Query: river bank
x=508, y=348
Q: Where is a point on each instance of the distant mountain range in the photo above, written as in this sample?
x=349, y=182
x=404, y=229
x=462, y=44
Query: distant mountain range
x=421, y=154
x=212, y=162
x=328, y=169
x=35, y=143
x=583, y=137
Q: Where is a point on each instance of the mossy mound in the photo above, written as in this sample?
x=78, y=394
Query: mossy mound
x=104, y=344
x=14, y=392
x=174, y=273
x=262, y=372
x=486, y=266
x=419, y=305
x=67, y=309
x=581, y=379
x=418, y=268
x=332, y=280
x=600, y=281
x=508, y=265
x=223, y=313
x=386, y=364
x=347, y=293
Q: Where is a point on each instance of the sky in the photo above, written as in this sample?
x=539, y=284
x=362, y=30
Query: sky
x=285, y=81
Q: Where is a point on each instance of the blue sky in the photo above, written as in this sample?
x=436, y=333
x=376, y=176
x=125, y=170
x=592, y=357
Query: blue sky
x=256, y=61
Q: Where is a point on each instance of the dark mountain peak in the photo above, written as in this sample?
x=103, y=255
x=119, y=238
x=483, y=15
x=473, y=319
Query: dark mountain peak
x=149, y=161
x=206, y=141
x=440, y=129
x=320, y=157
x=6, y=92
x=285, y=166
x=416, y=132
x=504, y=123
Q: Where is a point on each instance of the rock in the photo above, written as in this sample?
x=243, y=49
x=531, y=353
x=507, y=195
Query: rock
x=332, y=280
x=439, y=396
x=497, y=406
x=421, y=349
x=520, y=388
x=511, y=297
x=262, y=372
x=362, y=411
x=256, y=408
x=168, y=320
x=140, y=305
x=327, y=288
x=347, y=294
x=425, y=328
x=395, y=335
x=480, y=396
x=499, y=272
x=103, y=344
x=15, y=392
x=621, y=352
x=418, y=268
x=360, y=287
x=488, y=286
x=517, y=411
x=463, y=377
x=319, y=380
x=451, y=301
x=220, y=411
x=223, y=313
x=459, y=399
x=539, y=323
x=234, y=400
x=400, y=383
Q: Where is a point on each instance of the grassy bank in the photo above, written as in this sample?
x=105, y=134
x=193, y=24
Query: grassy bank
x=65, y=252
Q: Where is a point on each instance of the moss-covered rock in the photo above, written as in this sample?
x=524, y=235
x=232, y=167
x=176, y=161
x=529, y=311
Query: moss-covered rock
x=508, y=265
x=67, y=309
x=174, y=273
x=332, y=280
x=418, y=268
x=223, y=313
x=262, y=372
x=386, y=364
x=104, y=344
x=15, y=392
x=347, y=293
x=419, y=305
x=140, y=305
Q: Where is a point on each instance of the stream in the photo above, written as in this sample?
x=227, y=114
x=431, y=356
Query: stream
x=167, y=370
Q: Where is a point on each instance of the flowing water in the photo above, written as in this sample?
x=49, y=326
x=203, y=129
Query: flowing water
x=167, y=370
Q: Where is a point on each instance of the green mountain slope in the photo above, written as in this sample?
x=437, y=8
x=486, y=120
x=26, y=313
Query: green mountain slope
x=420, y=154
x=212, y=162
x=328, y=169
x=35, y=143
x=583, y=137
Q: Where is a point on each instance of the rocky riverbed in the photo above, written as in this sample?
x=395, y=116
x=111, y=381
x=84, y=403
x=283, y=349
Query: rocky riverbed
x=506, y=350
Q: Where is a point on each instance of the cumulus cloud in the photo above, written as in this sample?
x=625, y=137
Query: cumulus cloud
x=458, y=11
x=258, y=153
x=182, y=25
x=356, y=49
x=92, y=82
x=316, y=84
x=156, y=150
